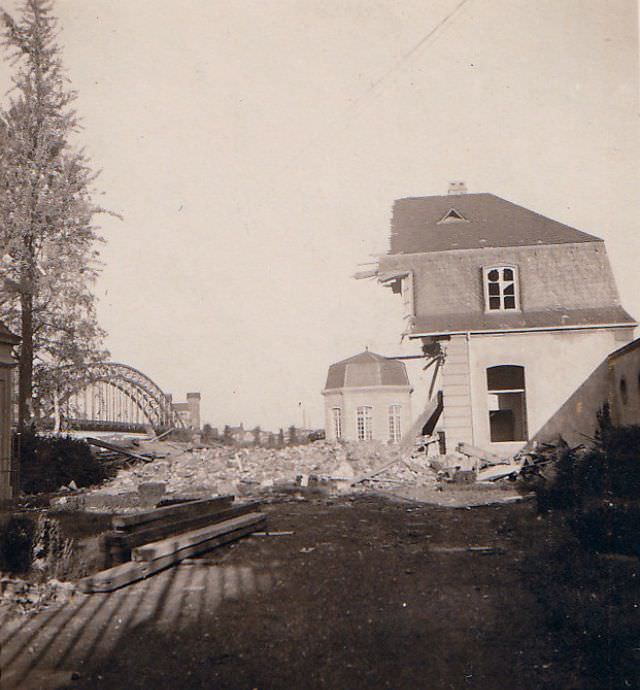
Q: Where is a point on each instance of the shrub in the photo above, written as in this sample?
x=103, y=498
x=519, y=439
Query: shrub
x=47, y=463
x=16, y=541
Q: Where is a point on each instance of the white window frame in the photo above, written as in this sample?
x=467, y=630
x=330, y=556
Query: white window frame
x=364, y=423
x=336, y=413
x=408, y=299
x=395, y=428
x=502, y=285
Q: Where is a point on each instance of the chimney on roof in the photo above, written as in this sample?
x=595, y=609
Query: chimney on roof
x=457, y=187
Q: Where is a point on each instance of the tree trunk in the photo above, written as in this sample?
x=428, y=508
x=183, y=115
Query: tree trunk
x=25, y=366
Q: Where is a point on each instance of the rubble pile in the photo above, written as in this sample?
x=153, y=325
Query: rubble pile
x=200, y=471
x=22, y=596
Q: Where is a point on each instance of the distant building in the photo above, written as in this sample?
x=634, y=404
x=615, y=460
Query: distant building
x=367, y=397
x=513, y=310
x=189, y=411
x=239, y=436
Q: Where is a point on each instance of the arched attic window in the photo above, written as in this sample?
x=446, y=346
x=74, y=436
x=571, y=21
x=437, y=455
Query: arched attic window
x=507, y=403
x=501, y=289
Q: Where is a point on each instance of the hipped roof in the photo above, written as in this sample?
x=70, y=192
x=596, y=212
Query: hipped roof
x=419, y=224
x=367, y=369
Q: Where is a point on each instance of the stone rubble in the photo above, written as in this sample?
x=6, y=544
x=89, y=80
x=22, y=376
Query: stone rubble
x=243, y=471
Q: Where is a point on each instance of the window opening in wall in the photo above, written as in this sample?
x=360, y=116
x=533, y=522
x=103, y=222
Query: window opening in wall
x=337, y=422
x=623, y=391
x=364, y=423
x=394, y=423
x=501, y=288
x=507, y=403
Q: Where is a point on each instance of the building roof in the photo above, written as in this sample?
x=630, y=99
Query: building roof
x=6, y=336
x=504, y=321
x=472, y=221
x=367, y=369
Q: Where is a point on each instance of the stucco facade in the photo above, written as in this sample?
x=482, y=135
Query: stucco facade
x=555, y=364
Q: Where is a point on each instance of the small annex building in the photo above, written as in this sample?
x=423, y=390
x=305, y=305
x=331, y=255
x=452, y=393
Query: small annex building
x=367, y=398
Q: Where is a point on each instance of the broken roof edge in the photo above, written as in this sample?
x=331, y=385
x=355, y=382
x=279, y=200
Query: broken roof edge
x=595, y=240
x=525, y=329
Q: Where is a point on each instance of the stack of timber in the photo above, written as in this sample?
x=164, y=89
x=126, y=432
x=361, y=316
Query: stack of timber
x=145, y=543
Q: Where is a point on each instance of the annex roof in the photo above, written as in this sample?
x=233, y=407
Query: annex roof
x=472, y=221
x=367, y=369
x=6, y=336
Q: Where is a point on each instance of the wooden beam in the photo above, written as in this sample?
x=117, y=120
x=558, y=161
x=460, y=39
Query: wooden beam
x=118, y=449
x=198, y=538
x=127, y=573
x=176, y=512
x=129, y=540
x=486, y=457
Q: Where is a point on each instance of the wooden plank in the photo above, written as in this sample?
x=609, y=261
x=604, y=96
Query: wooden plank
x=133, y=571
x=209, y=544
x=129, y=540
x=117, y=449
x=371, y=475
x=474, y=452
x=195, y=538
x=177, y=512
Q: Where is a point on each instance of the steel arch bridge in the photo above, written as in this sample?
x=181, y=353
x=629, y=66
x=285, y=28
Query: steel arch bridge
x=115, y=397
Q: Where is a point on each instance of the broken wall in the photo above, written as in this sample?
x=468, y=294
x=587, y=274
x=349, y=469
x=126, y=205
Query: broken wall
x=624, y=385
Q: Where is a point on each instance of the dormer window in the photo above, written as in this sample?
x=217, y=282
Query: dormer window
x=452, y=216
x=501, y=288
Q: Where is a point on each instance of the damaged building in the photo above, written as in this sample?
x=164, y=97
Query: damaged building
x=511, y=310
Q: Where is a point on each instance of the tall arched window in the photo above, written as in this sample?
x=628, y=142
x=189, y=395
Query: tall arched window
x=337, y=422
x=507, y=403
x=394, y=423
x=364, y=423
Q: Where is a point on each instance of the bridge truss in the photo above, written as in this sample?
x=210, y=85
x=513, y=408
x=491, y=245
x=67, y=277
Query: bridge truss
x=115, y=396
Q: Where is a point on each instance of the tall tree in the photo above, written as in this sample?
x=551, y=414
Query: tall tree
x=47, y=234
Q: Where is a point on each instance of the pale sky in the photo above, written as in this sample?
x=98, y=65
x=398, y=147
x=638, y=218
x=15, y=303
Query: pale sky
x=255, y=166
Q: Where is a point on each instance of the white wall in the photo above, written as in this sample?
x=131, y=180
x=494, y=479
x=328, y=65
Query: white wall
x=379, y=398
x=556, y=365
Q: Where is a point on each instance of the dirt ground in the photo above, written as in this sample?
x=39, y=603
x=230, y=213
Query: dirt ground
x=366, y=593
